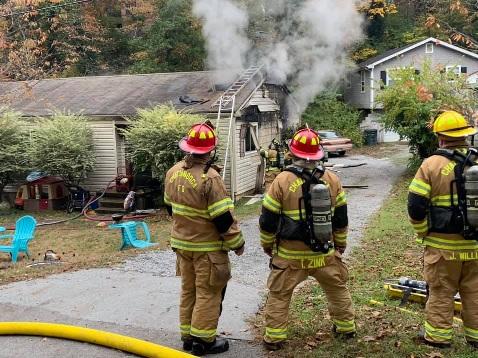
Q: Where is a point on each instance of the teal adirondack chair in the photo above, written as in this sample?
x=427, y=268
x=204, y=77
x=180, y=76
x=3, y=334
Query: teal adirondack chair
x=24, y=232
x=130, y=237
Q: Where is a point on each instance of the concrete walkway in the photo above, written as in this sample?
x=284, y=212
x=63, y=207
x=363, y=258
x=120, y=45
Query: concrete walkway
x=140, y=298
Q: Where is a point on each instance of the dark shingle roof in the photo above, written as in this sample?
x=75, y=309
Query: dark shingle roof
x=108, y=95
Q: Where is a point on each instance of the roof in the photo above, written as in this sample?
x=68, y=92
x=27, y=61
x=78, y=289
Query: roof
x=390, y=54
x=118, y=95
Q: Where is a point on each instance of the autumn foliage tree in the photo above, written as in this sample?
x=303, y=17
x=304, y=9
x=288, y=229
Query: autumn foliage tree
x=40, y=38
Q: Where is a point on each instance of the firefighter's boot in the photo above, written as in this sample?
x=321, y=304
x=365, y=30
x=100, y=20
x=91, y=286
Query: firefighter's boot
x=421, y=339
x=473, y=344
x=187, y=343
x=219, y=345
x=273, y=346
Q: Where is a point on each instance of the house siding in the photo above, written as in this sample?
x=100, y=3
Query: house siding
x=247, y=166
x=104, y=141
x=416, y=57
x=353, y=95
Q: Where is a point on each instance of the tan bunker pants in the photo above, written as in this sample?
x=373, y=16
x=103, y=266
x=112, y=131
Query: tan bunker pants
x=447, y=274
x=285, y=276
x=204, y=275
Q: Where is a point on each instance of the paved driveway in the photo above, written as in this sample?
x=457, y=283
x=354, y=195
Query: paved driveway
x=140, y=297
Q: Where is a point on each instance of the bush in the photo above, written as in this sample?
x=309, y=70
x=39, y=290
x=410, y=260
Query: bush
x=153, y=138
x=327, y=112
x=13, y=145
x=415, y=99
x=63, y=146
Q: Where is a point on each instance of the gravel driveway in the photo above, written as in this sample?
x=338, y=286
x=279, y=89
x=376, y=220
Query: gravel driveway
x=140, y=297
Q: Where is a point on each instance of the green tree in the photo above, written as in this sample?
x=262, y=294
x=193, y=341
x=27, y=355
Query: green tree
x=153, y=138
x=413, y=100
x=13, y=162
x=173, y=43
x=63, y=146
x=327, y=112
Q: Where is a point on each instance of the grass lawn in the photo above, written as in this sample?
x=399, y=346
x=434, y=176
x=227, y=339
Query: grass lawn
x=82, y=243
x=388, y=250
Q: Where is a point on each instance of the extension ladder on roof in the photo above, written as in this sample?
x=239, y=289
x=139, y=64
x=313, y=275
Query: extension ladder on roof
x=226, y=99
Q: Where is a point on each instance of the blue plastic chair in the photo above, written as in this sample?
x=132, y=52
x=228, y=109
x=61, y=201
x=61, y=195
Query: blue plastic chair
x=24, y=232
x=130, y=237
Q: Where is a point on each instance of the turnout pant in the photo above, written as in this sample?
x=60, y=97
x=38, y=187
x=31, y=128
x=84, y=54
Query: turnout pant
x=204, y=276
x=446, y=275
x=285, y=276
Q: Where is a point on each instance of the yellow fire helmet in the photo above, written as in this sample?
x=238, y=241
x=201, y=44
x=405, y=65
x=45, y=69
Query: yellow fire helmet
x=452, y=124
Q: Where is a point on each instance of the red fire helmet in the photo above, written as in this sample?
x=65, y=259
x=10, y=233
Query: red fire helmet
x=201, y=139
x=306, y=145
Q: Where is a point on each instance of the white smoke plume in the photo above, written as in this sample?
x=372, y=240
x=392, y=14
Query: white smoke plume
x=224, y=27
x=306, y=47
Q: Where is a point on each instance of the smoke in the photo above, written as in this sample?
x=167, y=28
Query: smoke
x=224, y=27
x=306, y=46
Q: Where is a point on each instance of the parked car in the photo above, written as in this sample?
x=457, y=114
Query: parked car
x=333, y=143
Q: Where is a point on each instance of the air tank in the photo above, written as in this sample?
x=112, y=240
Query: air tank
x=471, y=187
x=321, y=214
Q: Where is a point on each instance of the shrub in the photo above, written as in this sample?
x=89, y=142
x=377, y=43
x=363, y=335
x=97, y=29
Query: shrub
x=327, y=112
x=153, y=138
x=13, y=162
x=414, y=99
x=63, y=146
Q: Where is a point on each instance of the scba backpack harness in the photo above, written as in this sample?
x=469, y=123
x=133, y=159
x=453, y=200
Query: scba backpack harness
x=462, y=217
x=315, y=229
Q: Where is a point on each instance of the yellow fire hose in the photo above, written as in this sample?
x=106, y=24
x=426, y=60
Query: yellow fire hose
x=382, y=304
x=107, y=339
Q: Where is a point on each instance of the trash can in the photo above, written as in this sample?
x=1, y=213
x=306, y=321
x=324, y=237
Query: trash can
x=370, y=136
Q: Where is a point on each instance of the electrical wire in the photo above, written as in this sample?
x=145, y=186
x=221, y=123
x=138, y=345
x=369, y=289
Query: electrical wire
x=58, y=6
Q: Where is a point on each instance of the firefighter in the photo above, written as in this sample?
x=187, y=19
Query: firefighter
x=450, y=261
x=292, y=260
x=204, y=230
x=274, y=157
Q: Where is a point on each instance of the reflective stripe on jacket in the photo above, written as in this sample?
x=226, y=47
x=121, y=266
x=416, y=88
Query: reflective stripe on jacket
x=283, y=199
x=430, y=190
x=196, y=200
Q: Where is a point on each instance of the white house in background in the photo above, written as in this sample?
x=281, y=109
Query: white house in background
x=363, y=84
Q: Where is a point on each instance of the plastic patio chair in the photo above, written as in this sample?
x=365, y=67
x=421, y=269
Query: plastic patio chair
x=24, y=232
x=130, y=236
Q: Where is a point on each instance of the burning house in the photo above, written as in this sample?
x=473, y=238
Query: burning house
x=249, y=112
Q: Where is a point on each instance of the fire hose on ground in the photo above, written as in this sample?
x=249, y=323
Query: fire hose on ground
x=84, y=212
x=93, y=336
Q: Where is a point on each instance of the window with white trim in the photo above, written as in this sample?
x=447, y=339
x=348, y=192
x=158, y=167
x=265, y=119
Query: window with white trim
x=456, y=69
x=249, y=145
x=362, y=81
x=429, y=47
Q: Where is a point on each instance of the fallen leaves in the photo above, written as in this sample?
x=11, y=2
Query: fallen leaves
x=435, y=355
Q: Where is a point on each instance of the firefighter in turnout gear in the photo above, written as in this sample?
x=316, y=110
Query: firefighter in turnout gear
x=285, y=237
x=274, y=157
x=450, y=259
x=204, y=230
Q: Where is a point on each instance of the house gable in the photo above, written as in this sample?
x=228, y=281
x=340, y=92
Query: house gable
x=437, y=52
